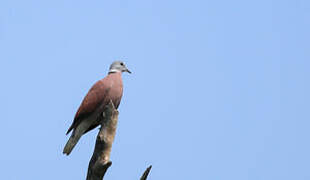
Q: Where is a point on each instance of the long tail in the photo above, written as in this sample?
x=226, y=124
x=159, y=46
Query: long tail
x=74, y=138
x=76, y=135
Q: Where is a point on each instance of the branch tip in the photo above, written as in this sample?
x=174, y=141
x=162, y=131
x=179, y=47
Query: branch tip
x=146, y=173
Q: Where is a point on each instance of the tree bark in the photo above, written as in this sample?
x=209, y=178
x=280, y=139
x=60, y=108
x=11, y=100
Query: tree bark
x=100, y=161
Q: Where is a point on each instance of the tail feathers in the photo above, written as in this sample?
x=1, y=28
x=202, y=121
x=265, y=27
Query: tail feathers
x=78, y=131
x=71, y=143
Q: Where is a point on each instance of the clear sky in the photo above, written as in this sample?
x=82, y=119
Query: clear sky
x=219, y=89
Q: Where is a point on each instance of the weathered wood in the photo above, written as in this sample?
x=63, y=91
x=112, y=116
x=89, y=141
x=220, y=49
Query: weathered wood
x=100, y=160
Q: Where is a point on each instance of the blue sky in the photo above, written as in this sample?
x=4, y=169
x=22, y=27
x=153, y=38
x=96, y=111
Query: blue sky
x=219, y=89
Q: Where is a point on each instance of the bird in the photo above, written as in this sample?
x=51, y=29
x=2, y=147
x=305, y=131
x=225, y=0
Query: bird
x=88, y=115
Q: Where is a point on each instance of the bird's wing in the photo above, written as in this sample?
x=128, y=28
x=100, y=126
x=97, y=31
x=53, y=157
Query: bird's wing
x=94, y=99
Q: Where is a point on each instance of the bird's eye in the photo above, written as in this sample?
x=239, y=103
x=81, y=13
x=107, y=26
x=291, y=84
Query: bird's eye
x=122, y=64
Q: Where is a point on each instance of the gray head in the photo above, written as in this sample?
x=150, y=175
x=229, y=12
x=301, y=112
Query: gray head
x=118, y=66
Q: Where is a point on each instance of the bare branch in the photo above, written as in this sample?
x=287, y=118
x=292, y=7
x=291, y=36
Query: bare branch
x=100, y=160
x=146, y=173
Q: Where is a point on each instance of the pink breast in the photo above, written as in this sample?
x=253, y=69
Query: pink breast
x=116, y=90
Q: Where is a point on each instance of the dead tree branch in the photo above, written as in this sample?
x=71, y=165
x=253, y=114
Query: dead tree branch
x=146, y=173
x=100, y=161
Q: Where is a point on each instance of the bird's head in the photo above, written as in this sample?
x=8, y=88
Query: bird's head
x=118, y=66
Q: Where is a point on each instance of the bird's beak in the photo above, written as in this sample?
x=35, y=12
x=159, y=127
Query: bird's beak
x=127, y=70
